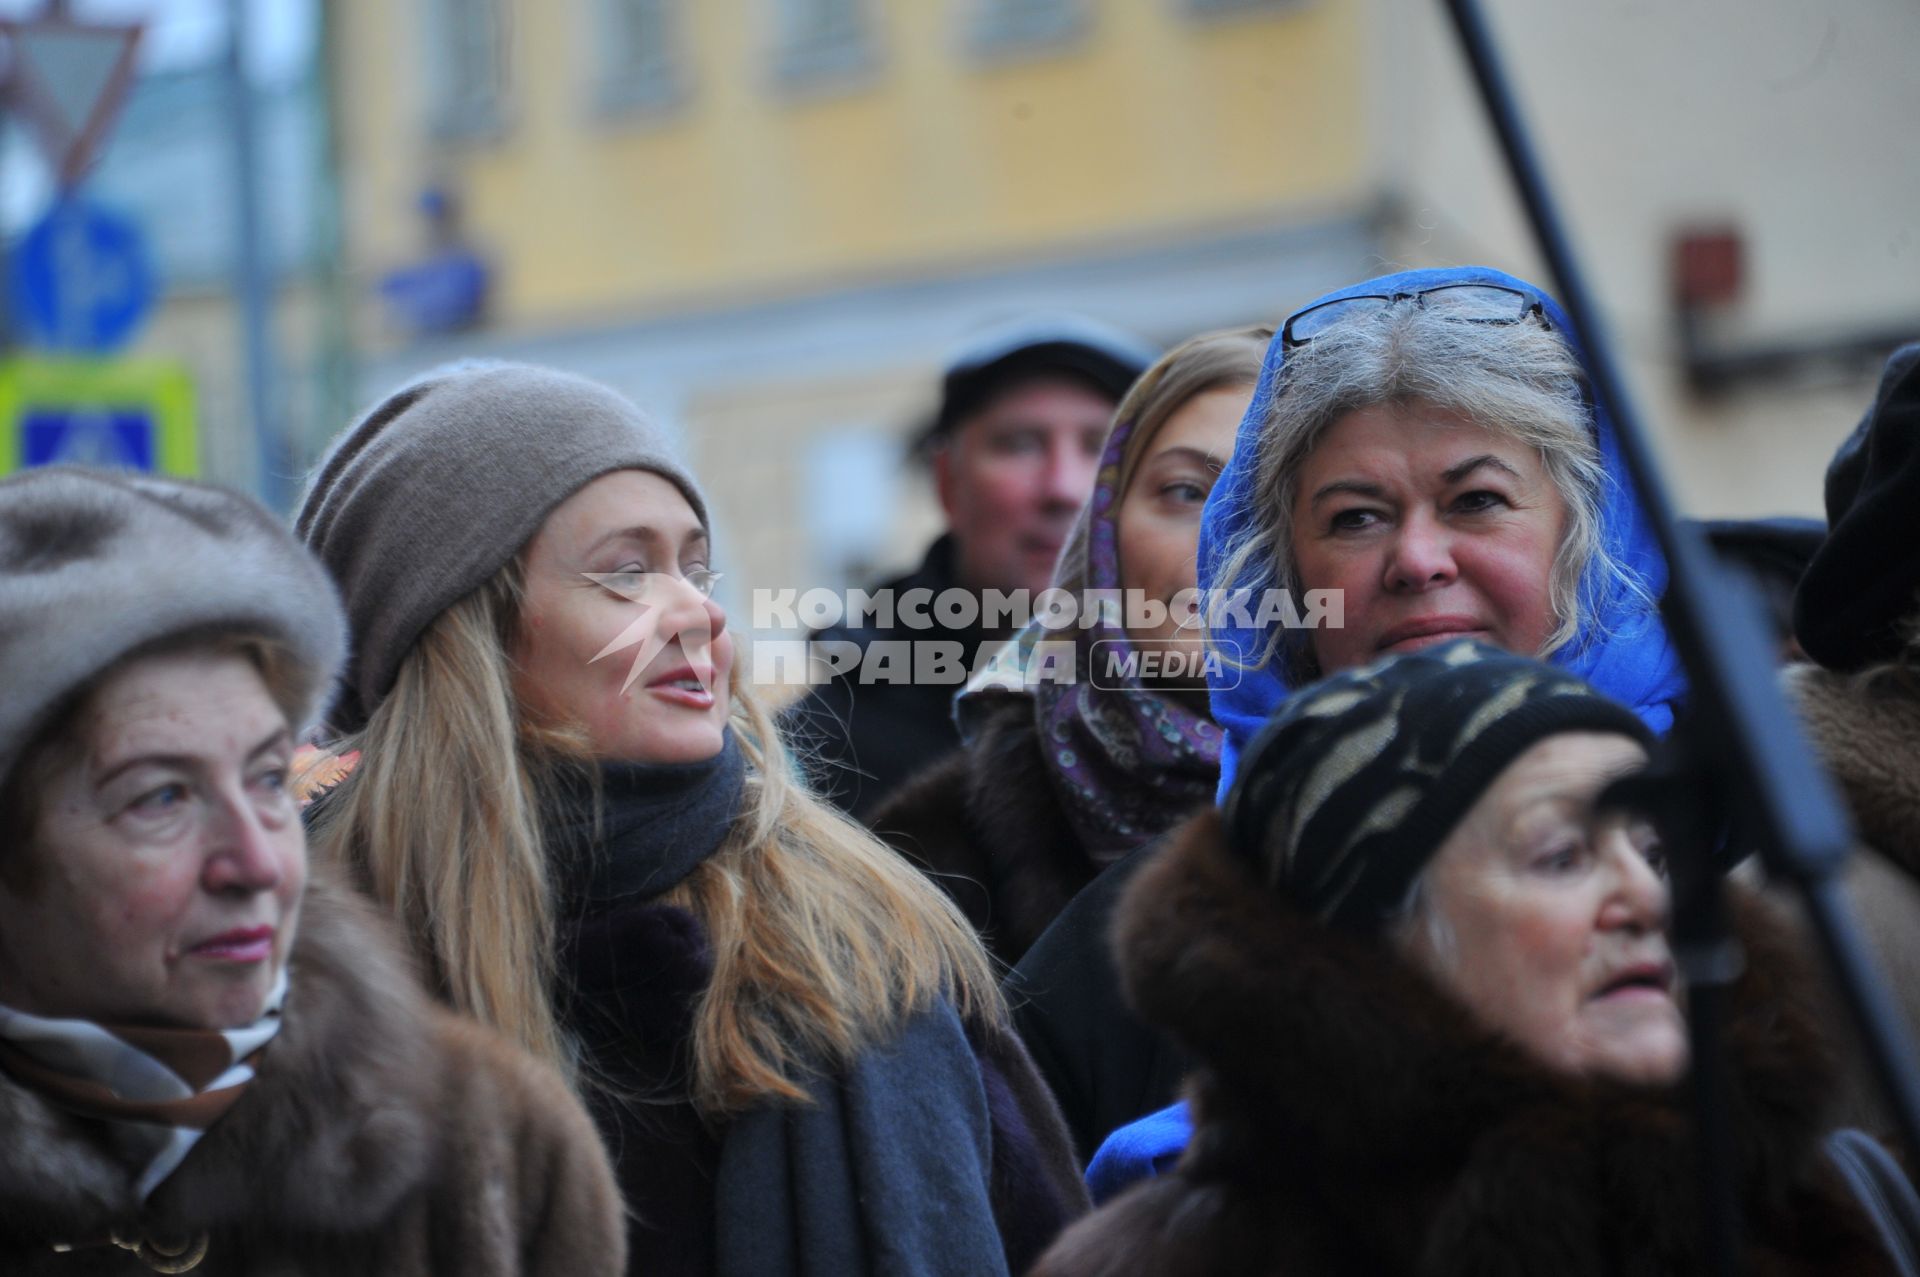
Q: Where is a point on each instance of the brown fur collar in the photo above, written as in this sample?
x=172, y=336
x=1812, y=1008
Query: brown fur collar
x=987, y=825
x=1867, y=728
x=334, y=1132
x=1346, y=1104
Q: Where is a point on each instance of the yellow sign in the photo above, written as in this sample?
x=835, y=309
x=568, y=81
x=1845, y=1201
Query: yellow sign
x=134, y=414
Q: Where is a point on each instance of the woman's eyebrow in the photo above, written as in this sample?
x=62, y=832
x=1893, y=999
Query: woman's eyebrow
x=279, y=737
x=1356, y=487
x=651, y=536
x=1454, y=474
x=159, y=758
x=1184, y=452
x=1541, y=811
x=693, y=537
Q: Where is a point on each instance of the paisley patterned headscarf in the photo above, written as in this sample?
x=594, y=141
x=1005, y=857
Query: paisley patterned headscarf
x=1126, y=761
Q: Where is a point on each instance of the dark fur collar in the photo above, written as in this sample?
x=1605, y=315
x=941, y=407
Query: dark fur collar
x=1038, y=861
x=334, y=1132
x=1867, y=728
x=1335, y=1075
x=987, y=825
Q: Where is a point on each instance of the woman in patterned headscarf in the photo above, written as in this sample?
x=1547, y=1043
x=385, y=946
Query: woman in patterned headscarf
x=1072, y=763
x=1420, y=960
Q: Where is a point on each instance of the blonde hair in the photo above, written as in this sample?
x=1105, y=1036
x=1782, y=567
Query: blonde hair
x=823, y=939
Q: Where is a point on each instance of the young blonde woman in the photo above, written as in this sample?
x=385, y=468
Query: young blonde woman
x=583, y=819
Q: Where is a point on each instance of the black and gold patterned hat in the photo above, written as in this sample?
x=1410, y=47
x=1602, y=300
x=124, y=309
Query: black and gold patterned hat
x=1345, y=795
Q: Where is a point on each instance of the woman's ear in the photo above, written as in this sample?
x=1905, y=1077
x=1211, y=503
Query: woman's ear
x=940, y=460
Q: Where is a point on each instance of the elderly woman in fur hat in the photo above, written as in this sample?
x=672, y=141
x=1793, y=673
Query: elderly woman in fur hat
x=1423, y=968
x=209, y=1061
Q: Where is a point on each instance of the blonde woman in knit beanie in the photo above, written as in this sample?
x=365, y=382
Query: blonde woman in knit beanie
x=582, y=817
x=208, y=1061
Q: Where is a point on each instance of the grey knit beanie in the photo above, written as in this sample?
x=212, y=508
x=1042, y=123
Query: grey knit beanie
x=438, y=487
x=95, y=565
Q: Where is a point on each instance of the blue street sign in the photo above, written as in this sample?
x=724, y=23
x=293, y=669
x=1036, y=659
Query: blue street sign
x=118, y=438
x=81, y=279
x=134, y=414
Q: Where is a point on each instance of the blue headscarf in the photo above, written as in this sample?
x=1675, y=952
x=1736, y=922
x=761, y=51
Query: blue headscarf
x=1632, y=661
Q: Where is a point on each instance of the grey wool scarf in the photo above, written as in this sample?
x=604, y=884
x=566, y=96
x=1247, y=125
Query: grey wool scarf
x=885, y=1174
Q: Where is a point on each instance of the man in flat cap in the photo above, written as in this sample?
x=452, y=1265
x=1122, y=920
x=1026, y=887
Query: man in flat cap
x=1014, y=445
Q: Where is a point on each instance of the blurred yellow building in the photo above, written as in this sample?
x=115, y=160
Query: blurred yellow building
x=769, y=220
x=620, y=156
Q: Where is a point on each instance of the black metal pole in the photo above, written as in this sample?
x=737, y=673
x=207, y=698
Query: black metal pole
x=1760, y=761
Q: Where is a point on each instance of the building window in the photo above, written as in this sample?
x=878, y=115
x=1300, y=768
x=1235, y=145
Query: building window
x=1010, y=28
x=467, y=67
x=822, y=44
x=636, y=56
x=1229, y=8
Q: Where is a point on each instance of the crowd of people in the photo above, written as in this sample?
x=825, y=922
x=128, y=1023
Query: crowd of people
x=425, y=887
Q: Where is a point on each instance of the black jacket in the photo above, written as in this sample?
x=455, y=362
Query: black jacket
x=859, y=740
x=1105, y=1064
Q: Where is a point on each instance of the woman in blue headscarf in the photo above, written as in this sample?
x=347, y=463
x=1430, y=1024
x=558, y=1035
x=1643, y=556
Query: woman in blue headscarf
x=1426, y=447
x=1426, y=444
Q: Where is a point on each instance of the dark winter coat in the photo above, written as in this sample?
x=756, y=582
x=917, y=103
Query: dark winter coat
x=1350, y=1118
x=382, y=1135
x=1105, y=1065
x=861, y=741
x=639, y=971
x=988, y=826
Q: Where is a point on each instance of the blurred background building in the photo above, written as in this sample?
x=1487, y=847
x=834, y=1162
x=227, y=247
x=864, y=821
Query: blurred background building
x=770, y=220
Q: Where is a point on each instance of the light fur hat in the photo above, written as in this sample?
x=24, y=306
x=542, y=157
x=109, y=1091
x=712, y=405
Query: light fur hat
x=97, y=564
x=430, y=494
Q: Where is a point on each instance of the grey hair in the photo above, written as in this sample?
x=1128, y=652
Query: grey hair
x=1417, y=919
x=1521, y=381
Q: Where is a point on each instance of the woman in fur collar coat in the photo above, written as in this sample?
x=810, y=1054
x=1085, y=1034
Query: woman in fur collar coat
x=1061, y=777
x=382, y=1135
x=207, y=1063
x=1857, y=615
x=1424, y=973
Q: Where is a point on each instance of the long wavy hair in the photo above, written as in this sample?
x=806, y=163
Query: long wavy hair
x=823, y=939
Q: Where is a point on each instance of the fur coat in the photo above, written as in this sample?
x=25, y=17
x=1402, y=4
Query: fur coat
x=986, y=825
x=1349, y=1118
x=1866, y=728
x=383, y=1135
